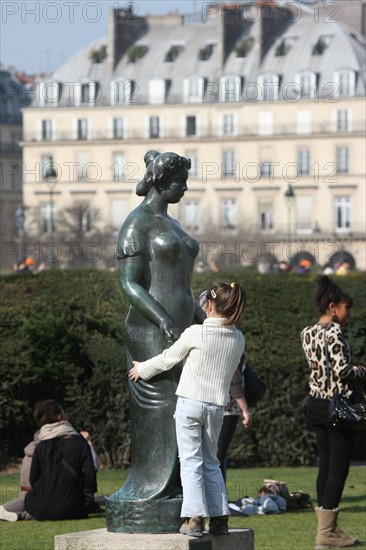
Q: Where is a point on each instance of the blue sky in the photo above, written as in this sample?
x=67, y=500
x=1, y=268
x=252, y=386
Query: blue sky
x=41, y=35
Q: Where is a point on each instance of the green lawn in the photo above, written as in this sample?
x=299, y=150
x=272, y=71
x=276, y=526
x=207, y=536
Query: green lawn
x=288, y=531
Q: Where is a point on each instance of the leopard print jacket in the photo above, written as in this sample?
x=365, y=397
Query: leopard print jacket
x=342, y=372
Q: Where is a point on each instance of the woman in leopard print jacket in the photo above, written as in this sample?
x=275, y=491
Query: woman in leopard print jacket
x=334, y=443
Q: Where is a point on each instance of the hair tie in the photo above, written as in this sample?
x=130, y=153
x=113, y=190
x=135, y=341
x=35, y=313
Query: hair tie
x=232, y=285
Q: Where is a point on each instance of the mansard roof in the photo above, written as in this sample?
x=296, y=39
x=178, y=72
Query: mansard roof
x=323, y=48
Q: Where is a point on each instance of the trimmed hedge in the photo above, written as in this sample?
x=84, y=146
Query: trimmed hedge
x=63, y=338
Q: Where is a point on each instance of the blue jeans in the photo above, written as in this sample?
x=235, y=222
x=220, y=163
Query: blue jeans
x=198, y=426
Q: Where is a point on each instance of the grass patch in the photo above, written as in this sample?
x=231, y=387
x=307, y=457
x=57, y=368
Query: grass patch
x=288, y=531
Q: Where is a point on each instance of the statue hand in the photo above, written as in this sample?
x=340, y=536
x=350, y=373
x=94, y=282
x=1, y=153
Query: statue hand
x=171, y=334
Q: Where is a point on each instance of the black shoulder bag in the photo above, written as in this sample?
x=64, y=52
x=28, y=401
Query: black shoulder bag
x=254, y=388
x=347, y=412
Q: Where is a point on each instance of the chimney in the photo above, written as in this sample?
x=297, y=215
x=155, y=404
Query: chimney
x=124, y=28
x=270, y=20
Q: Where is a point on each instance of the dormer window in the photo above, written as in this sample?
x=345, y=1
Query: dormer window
x=321, y=45
x=345, y=81
x=269, y=85
x=243, y=48
x=122, y=91
x=285, y=45
x=306, y=81
x=193, y=89
x=50, y=93
x=89, y=93
x=173, y=53
x=157, y=90
x=136, y=52
x=205, y=53
x=230, y=89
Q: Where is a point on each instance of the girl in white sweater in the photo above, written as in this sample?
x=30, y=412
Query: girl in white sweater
x=210, y=353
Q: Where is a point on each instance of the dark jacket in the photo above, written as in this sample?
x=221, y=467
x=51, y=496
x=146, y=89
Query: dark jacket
x=57, y=493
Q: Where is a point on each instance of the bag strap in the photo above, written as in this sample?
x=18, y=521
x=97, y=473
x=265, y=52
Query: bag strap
x=326, y=352
x=70, y=469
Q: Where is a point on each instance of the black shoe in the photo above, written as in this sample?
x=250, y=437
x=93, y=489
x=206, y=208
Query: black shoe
x=218, y=526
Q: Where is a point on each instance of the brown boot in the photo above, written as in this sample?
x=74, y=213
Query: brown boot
x=192, y=527
x=338, y=530
x=342, y=533
x=328, y=536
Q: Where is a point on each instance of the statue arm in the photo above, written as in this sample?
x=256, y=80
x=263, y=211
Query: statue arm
x=131, y=271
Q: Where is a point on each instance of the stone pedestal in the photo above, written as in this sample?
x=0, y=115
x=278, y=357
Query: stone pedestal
x=101, y=539
x=148, y=516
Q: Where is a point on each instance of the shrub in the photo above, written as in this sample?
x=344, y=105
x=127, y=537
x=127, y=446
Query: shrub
x=63, y=338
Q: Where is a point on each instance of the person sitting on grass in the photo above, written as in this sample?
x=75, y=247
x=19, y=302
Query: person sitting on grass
x=62, y=474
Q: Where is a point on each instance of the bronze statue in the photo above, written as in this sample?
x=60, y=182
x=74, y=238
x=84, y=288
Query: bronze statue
x=156, y=259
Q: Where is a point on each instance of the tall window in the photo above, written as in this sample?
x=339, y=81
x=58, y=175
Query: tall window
x=342, y=120
x=304, y=213
x=269, y=84
x=49, y=93
x=192, y=215
x=266, y=169
x=194, y=168
x=228, y=124
x=154, y=127
x=118, y=166
x=46, y=129
x=228, y=164
x=346, y=81
x=157, y=90
x=229, y=214
x=342, y=213
x=303, y=122
x=230, y=89
x=89, y=93
x=11, y=177
x=118, y=128
x=303, y=161
x=191, y=126
x=119, y=212
x=48, y=217
x=123, y=92
x=83, y=217
x=46, y=162
x=265, y=214
x=265, y=120
x=306, y=81
x=83, y=160
x=193, y=89
x=82, y=128
x=342, y=160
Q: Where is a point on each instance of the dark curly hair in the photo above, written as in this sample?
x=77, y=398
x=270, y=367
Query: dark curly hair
x=327, y=292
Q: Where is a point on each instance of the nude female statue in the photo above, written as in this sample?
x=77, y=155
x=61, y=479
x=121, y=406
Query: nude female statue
x=156, y=259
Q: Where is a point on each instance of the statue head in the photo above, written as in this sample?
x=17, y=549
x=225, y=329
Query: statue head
x=160, y=167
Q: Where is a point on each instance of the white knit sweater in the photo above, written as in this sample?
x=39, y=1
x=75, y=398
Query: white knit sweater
x=210, y=353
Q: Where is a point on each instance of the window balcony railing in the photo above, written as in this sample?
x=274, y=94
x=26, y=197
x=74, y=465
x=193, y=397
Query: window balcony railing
x=11, y=149
x=209, y=132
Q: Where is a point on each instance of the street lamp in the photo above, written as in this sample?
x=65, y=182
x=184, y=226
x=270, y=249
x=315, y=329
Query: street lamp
x=51, y=180
x=19, y=216
x=290, y=197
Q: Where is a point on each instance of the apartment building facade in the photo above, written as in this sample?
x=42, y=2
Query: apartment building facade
x=267, y=103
